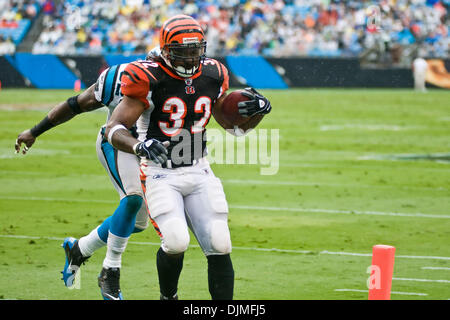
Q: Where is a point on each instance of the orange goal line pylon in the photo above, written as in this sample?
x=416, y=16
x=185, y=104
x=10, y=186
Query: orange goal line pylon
x=381, y=272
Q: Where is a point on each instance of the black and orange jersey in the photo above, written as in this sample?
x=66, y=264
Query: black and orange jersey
x=177, y=109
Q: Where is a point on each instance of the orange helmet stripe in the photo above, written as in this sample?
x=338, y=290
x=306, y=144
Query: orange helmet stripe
x=179, y=24
x=178, y=20
x=183, y=30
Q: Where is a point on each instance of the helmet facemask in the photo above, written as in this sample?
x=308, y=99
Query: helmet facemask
x=184, y=58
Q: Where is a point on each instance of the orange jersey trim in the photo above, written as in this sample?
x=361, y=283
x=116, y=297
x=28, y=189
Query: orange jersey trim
x=143, y=178
x=226, y=78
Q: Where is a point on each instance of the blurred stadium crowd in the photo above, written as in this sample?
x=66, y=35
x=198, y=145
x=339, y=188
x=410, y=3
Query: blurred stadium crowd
x=269, y=27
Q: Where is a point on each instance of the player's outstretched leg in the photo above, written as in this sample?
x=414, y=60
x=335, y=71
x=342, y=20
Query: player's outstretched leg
x=220, y=277
x=98, y=237
x=169, y=268
x=122, y=225
x=95, y=240
x=74, y=259
x=78, y=251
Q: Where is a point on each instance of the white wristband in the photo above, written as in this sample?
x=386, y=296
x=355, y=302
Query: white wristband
x=134, y=147
x=114, y=129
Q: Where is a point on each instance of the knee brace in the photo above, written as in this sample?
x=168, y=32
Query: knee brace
x=142, y=219
x=220, y=237
x=175, y=236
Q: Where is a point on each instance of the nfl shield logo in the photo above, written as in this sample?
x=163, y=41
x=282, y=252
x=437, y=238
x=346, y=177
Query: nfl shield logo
x=189, y=88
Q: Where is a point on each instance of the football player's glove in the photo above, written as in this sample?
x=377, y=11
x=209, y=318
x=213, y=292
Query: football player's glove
x=152, y=149
x=258, y=104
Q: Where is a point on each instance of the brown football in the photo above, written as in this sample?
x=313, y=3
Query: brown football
x=230, y=110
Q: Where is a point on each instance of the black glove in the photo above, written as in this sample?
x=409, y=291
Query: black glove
x=152, y=149
x=258, y=104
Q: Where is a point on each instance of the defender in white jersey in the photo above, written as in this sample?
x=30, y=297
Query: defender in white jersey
x=123, y=169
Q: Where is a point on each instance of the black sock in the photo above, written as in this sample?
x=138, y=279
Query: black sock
x=169, y=269
x=220, y=277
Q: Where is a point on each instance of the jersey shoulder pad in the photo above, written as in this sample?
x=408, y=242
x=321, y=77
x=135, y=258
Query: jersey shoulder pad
x=136, y=81
x=212, y=68
x=105, y=85
x=216, y=70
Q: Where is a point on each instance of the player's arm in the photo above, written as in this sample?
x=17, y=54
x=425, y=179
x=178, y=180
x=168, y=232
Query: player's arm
x=134, y=87
x=124, y=116
x=61, y=113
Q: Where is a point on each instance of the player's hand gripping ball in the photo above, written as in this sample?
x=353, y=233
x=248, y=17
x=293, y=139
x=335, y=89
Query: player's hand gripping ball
x=257, y=103
x=240, y=105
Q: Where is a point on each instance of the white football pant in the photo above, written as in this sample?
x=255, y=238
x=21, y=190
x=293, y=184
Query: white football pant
x=185, y=197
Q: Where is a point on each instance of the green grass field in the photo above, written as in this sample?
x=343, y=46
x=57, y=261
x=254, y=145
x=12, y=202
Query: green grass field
x=357, y=168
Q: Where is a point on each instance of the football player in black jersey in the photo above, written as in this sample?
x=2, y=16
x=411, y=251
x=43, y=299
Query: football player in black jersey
x=173, y=97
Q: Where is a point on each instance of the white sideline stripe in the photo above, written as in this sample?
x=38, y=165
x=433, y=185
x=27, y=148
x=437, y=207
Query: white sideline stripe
x=313, y=184
x=435, y=268
x=56, y=199
x=398, y=214
x=358, y=166
x=370, y=127
x=12, y=236
x=421, y=280
x=378, y=213
x=278, y=182
x=392, y=292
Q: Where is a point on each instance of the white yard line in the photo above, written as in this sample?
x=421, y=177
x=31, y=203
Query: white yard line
x=378, y=213
x=435, y=268
x=319, y=184
x=57, y=199
x=392, y=292
x=323, y=252
x=272, y=182
x=259, y=208
x=369, y=166
x=421, y=280
x=369, y=127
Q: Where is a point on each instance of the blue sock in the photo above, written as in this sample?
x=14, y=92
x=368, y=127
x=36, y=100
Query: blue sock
x=124, y=218
x=103, y=229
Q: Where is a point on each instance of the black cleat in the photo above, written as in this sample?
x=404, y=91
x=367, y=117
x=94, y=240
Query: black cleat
x=74, y=259
x=109, y=283
x=163, y=297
